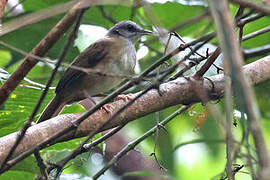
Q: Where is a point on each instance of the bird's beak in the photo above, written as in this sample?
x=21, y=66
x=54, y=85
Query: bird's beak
x=145, y=32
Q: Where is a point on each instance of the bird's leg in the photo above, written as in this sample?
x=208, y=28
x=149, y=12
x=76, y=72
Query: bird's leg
x=124, y=97
x=105, y=107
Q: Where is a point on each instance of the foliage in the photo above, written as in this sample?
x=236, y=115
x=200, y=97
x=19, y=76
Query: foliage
x=199, y=160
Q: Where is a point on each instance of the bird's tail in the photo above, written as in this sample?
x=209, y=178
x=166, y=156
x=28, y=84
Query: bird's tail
x=52, y=109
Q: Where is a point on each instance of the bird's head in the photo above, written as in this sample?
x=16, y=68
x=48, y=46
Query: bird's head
x=128, y=30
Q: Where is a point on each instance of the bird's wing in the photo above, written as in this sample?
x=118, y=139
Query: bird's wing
x=89, y=58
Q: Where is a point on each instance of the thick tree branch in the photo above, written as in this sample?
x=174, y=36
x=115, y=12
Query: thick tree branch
x=174, y=92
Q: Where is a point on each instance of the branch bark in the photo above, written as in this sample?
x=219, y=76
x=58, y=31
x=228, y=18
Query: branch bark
x=174, y=92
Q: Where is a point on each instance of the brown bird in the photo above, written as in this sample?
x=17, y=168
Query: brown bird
x=113, y=54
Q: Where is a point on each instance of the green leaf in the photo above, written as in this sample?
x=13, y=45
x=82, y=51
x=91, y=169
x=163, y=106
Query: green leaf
x=29, y=36
x=260, y=40
x=33, y=5
x=20, y=104
x=209, y=128
x=168, y=20
x=76, y=165
x=166, y=151
x=141, y=173
x=65, y=146
x=5, y=56
x=17, y=108
x=13, y=175
x=24, y=170
x=27, y=165
x=72, y=144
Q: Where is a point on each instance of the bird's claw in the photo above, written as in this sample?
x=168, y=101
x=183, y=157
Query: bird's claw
x=107, y=108
x=124, y=97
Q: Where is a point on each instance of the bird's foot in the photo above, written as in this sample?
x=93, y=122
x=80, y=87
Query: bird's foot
x=124, y=97
x=107, y=108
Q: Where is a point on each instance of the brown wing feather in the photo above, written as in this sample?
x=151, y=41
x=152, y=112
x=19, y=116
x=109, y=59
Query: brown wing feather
x=89, y=58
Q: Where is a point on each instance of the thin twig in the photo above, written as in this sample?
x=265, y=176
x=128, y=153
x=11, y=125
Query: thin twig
x=244, y=21
x=56, y=10
x=47, y=42
x=86, y=148
x=258, y=51
x=198, y=141
x=66, y=65
x=28, y=55
x=240, y=12
x=134, y=143
x=259, y=7
x=249, y=156
x=244, y=15
x=241, y=31
x=41, y=165
x=104, y=14
x=182, y=25
x=210, y=60
x=191, y=21
x=256, y=33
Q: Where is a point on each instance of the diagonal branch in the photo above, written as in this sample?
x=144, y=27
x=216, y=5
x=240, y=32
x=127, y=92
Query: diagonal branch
x=259, y=7
x=47, y=42
x=40, y=50
x=44, y=93
x=134, y=143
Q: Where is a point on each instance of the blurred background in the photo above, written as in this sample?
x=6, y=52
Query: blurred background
x=192, y=147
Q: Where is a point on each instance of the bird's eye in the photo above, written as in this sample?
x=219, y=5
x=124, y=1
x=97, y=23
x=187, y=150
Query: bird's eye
x=130, y=28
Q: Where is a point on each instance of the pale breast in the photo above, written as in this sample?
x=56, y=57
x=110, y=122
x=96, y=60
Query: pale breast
x=120, y=61
x=128, y=60
x=124, y=58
